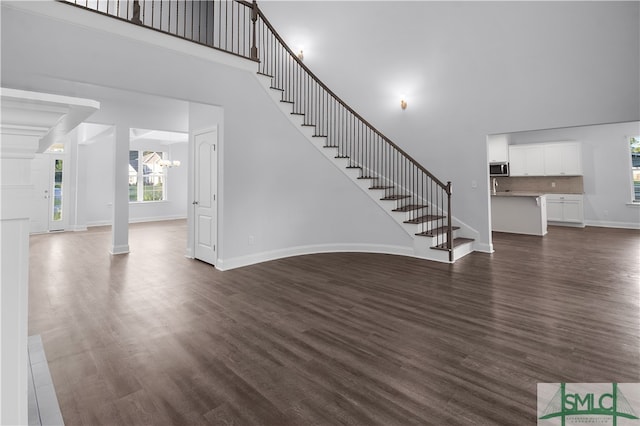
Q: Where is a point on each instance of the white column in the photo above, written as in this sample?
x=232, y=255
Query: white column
x=120, y=225
x=16, y=194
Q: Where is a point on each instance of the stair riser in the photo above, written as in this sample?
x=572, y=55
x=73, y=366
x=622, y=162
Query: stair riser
x=432, y=241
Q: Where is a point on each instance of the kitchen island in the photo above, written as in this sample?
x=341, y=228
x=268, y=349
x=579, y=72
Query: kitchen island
x=519, y=213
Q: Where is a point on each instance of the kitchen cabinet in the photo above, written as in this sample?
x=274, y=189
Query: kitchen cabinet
x=546, y=159
x=498, y=150
x=519, y=213
x=562, y=159
x=565, y=208
x=526, y=160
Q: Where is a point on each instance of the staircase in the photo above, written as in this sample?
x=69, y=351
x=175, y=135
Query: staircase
x=420, y=217
x=418, y=201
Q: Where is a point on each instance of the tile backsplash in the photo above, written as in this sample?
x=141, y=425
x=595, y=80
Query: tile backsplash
x=543, y=184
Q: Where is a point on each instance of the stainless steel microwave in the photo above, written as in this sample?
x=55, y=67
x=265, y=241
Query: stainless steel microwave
x=499, y=169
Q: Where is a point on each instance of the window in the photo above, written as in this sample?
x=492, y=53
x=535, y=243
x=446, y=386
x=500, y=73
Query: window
x=635, y=167
x=147, y=177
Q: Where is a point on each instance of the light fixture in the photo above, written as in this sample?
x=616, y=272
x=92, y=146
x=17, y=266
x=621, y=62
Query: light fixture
x=169, y=163
x=300, y=55
x=403, y=104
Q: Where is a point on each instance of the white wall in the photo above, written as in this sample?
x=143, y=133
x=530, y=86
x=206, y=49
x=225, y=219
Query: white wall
x=96, y=193
x=469, y=69
x=276, y=186
x=607, y=169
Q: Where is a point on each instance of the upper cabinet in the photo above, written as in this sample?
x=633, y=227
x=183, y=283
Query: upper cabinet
x=547, y=159
x=498, y=149
x=563, y=158
x=526, y=160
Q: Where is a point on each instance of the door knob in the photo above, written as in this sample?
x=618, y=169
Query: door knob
x=195, y=203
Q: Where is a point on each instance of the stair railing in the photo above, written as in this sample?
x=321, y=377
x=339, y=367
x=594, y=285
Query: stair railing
x=221, y=24
x=239, y=27
x=387, y=166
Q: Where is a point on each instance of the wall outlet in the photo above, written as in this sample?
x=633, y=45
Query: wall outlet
x=252, y=240
x=553, y=184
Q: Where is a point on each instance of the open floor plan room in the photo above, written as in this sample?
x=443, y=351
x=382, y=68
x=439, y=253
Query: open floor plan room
x=153, y=337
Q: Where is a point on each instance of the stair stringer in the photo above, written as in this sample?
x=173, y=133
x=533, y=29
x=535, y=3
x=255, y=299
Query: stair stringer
x=422, y=245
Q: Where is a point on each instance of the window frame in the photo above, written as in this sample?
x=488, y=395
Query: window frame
x=141, y=176
x=634, y=170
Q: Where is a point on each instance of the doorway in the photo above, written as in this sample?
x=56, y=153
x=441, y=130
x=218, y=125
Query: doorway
x=205, y=202
x=48, y=209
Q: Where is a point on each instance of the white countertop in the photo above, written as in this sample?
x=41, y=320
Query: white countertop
x=518, y=194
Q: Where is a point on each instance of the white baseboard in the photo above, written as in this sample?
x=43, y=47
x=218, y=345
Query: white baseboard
x=483, y=247
x=136, y=220
x=156, y=218
x=122, y=249
x=608, y=224
x=252, y=259
x=567, y=224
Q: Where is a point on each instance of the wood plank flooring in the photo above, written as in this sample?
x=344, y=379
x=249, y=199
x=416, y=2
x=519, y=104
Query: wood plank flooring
x=358, y=339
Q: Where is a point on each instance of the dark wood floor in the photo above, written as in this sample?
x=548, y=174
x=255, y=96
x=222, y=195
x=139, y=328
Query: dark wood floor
x=359, y=339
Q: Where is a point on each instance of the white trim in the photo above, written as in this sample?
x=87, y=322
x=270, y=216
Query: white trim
x=157, y=218
x=633, y=204
x=566, y=224
x=134, y=220
x=609, y=224
x=483, y=247
x=121, y=249
x=252, y=259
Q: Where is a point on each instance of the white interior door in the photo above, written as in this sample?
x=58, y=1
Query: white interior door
x=205, y=202
x=41, y=180
x=47, y=173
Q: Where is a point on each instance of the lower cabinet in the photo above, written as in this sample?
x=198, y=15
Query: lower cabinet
x=565, y=208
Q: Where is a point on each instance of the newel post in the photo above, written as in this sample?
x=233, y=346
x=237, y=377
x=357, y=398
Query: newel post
x=254, y=18
x=449, y=224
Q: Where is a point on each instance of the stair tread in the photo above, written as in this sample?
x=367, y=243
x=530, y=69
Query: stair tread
x=276, y=88
x=266, y=75
x=456, y=242
x=308, y=125
x=436, y=231
x=381, y=187
x=367, y=177
x=284, y=101
x=297, y=113
x=354, y=167
x=395, y=197
x=409, y=208
x=341, y=156
x=320, y=136
x=329, y=146
x=425, y=218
